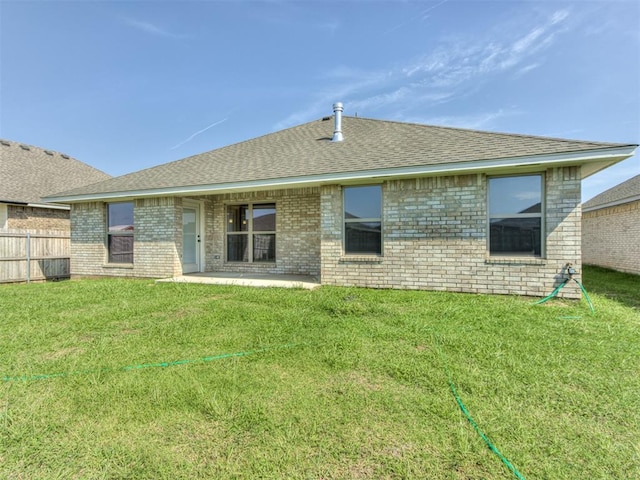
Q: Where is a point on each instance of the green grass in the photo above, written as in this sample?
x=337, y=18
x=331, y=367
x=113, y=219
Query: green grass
x=341, y=384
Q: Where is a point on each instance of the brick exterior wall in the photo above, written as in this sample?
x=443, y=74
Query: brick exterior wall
x=297, y=232
x=157, y=227
x=158, y=235
x=435, y=238
x=611, y=237
x=88, y=242
x=35, y=218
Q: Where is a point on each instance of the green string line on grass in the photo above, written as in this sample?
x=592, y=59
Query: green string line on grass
x=466, y=413
x=141, y=366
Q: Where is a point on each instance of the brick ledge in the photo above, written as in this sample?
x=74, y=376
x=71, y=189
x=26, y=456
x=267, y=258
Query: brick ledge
x=515, y=261
x=361, y=259
x=118, y=265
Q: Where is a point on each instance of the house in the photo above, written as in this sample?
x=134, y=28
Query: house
x=352, y=201
x=28, y=174
x=34, y=233
x=611, y=228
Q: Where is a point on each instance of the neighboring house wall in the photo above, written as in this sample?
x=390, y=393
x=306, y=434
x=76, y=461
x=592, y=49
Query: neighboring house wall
x=611, y=237
x=35, y=218
x=435, y=239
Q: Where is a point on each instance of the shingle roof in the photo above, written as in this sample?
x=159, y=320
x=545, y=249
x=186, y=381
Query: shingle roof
x=306, y=150
x=29, y=173
x=624, y=192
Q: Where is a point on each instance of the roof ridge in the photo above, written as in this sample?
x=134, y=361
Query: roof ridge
x=488, y=132
x=47, y=151
x=615, y=194
x=9, y=143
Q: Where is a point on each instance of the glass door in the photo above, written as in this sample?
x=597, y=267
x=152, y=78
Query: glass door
x=190, y=239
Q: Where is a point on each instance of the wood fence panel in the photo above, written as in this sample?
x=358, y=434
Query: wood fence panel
x=34, y=255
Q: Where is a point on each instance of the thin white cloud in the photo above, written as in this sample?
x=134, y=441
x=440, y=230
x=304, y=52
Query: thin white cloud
x=453, y=64
x=559, y=16
x=450, y=71
x=198, y=133
x=527, y=41
x=527, y=68
x=150, y=28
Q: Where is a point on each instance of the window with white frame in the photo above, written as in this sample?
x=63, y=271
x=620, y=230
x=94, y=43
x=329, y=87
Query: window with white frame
x=516, y=215
x=363, y=220
x=251, y=233
x=120, y=232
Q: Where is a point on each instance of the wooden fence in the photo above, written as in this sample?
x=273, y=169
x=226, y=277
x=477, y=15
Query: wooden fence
x=27, y=256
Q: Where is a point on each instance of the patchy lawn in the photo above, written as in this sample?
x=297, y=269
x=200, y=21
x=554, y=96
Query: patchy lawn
x=129, y=379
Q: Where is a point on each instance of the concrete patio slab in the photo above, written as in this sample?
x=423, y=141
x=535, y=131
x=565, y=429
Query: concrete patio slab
x=247, y=280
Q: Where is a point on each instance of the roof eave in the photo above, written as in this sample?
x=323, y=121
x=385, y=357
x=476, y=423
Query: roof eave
x=52, y=206
x=615, y=203
x=597, y=160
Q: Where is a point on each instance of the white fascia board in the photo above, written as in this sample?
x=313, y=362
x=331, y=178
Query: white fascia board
x=49, y=205
x=611, y=155
x=622, y=201
x=52, y=206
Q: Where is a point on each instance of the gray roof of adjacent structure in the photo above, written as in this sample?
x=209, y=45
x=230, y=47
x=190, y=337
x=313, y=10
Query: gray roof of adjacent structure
x=29, y=173
x=624, y=192
x=306, y=150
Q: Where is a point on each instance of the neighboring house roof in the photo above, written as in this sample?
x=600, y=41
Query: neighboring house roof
x=624, y=192
x=30, y=173
x=305, y=155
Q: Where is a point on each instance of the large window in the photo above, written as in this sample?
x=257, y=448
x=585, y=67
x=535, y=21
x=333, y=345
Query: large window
x=251, y=233
x=363, y=220
x=120, y=232
x=515, y=215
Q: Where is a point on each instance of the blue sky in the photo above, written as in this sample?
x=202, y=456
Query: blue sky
x=126, y=85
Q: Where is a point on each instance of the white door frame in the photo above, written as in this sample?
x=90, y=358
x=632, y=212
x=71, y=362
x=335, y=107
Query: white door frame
x=199, y=207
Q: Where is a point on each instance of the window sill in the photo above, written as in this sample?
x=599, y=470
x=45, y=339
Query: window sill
x=515, y=261
x=271, y=264
x=361, y=259
x=118, y=265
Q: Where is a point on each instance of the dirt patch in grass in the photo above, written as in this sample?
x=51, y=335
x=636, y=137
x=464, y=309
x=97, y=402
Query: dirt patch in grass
x=62, y=353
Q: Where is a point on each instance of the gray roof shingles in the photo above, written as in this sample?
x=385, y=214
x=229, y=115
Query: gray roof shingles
x=307, y=150
x=624, y=192
x=29, y=173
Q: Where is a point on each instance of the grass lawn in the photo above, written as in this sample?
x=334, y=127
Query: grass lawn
x=336, y=383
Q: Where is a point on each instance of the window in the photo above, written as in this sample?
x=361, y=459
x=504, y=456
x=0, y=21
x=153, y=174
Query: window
x=515, y=215
x=363, y=220
x=120, y=232
x=251, y=233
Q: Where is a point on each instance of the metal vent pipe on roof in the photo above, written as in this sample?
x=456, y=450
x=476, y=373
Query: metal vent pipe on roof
x=337, y=132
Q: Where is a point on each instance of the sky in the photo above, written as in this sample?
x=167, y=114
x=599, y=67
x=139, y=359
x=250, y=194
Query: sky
x=124, y=85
